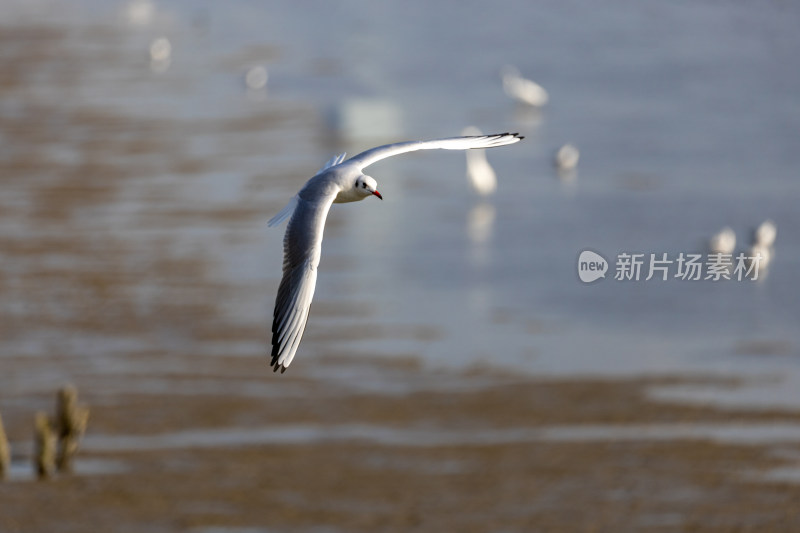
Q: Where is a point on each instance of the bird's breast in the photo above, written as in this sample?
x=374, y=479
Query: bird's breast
x=348, y=195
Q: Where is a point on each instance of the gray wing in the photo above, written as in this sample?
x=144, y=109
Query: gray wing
x=302, y=245
x=364, y=159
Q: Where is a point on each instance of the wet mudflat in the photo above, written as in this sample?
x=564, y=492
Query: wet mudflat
x=468, y=452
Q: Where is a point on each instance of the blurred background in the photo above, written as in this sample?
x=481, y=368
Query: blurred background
x=145, y=144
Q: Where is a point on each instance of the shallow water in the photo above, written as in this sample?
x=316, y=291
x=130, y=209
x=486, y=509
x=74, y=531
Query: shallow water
x=135, y=195
x=741, y=434
x=20, y=471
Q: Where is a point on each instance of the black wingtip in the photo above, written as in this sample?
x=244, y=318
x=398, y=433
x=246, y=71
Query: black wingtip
x=276, y=365
x=508, y=134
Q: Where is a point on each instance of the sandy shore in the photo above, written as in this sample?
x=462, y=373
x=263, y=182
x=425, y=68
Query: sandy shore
x=477, y=452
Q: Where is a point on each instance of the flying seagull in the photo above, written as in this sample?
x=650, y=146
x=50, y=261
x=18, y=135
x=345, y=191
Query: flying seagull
x=338, y=181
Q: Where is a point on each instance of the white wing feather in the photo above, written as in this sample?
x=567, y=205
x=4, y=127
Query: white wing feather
x=284, y=213
x=332, y=162
x=364, y=159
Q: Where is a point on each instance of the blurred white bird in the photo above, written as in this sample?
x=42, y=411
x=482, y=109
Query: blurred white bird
x=140, y=12
x=723, y=242
x=566, y=157
x=764, y=235
x=762, y=245
x=480, y=173
x=521, y=89
x=256, y=78
x=160, y=54
x=160, y=49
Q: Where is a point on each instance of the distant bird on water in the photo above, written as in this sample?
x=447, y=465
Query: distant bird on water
x=764, y=235
x=256, y=78
x=522, y=89
x=723, y=242
x=763, y=243
x=566, y=157
x=480, y=174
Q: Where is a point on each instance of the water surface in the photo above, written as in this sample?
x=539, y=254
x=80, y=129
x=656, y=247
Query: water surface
x=135, y=195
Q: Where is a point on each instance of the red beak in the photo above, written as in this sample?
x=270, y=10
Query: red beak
x=376, y=193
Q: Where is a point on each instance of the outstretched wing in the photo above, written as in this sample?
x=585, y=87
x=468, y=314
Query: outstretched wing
x=364, y=159
x=302, y=245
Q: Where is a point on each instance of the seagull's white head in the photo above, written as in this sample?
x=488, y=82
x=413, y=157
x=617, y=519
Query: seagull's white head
x=366, y=186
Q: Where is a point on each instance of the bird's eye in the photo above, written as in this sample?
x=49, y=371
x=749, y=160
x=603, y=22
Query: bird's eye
x=363, y=185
